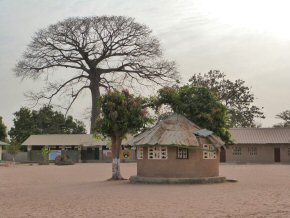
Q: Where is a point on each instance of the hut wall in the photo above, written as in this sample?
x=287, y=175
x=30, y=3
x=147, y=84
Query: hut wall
x=194, y=166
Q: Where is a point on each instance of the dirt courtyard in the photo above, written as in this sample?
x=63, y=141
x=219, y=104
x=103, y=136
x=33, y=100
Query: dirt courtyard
x=81, y=190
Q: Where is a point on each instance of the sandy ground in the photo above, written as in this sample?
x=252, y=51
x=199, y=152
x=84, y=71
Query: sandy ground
x=81, y=190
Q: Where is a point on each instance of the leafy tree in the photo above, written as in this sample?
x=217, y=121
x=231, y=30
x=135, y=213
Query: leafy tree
x=45, y=155
x=3, y=133
x=285, y=116
x=199, y=105
x=13, y=149
x=24, y=125
x=43, y=121
x=100, y=52
x=235, y=95
x=122, y=113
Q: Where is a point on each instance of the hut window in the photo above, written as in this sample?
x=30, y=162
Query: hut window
x=237, y=150
x=157, y=152
x=288, y=151
x=209, y=152
x=182, y=153
x=139, y=153
x=252, y=150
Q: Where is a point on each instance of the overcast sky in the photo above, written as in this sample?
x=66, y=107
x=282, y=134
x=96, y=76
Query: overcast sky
x=245, y=39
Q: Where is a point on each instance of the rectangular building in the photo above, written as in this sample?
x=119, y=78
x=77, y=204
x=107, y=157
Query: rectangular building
x=258, y=145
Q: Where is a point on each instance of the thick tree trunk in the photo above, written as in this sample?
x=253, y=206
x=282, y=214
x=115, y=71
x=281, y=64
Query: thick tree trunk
x=96, y=106
x=116, y=147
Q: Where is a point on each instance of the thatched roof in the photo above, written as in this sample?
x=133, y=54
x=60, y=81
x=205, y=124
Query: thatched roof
x=175, y=130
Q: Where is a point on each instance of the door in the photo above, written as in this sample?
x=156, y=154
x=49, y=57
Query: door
x=223, y=155
x=277, y=154
x=97, y=153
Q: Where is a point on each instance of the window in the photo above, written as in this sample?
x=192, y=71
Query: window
x=34, y=147
x=252, y=150
x=288, y=151
x=209, y=152
x=157, y=152
x=237, y=150
x=139, y=153
x=182, y=153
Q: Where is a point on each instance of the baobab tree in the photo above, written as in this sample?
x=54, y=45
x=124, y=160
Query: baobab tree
x=100, y=52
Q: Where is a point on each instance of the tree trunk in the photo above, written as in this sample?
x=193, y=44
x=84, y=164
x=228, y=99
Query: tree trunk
x=96, y=106
x=116, y=147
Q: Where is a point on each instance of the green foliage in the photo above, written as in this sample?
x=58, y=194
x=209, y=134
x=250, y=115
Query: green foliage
x=63, y=160
x=45, y=154
x=13, y=149
x=43, y=121
x=122, y=113
x=3, y=133
x=199, y=105
x=235, y=95
x=285, y=116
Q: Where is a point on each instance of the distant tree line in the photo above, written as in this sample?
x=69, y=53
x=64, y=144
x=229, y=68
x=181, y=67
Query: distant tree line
x=43, y=121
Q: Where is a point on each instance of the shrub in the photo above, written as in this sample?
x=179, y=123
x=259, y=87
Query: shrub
x=63, y=160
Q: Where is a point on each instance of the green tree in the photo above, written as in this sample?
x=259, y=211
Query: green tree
x=13, y=149
x=100, y=52
x=235, y=95
x=285, y=116
x=24, y=125
x=3, y=133
x=45, y=154
x=197, y=104
x=122, y=113
x=43, y=121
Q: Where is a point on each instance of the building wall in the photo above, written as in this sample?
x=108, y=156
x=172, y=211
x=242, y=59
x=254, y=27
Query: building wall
x=74, y=155
x=265, y=154
x=0, y=152
x=36, y=155
x=20, y=157
x=194, y=166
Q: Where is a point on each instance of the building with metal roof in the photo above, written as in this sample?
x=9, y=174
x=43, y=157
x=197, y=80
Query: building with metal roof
x=79, y=147
x=258, y=145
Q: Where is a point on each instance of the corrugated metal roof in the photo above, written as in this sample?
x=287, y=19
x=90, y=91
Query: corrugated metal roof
x=3, y=143
x=260, y=135
x=63, y=139
x=175, y=130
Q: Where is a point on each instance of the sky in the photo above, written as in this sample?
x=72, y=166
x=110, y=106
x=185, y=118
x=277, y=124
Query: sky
x=245, y=39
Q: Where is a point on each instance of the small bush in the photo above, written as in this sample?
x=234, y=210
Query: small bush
x=63, y=160
x=43, y=163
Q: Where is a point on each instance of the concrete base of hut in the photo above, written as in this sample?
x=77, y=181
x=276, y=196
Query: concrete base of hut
x=162, y=180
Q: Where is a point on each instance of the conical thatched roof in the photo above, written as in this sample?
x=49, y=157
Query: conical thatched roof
x=175, y=130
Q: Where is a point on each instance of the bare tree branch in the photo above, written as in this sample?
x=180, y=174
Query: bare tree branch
x=111, y=51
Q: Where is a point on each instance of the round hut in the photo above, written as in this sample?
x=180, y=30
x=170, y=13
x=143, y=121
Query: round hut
x=177, y=148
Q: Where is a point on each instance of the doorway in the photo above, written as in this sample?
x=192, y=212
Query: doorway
x=277, y=154
x=223, y=155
